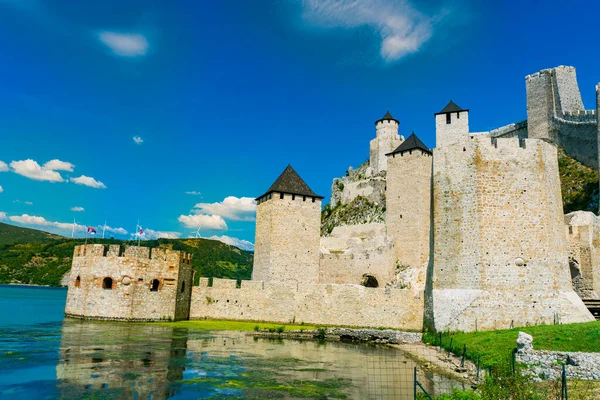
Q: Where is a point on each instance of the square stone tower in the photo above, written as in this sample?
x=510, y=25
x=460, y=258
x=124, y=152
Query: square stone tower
x=451, y=125
x=408, y=201
x=136, y=285
x=288, y=226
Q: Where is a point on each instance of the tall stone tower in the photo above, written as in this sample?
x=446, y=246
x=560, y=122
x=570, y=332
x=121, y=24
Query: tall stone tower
x=500, y=256
x=386, y=140
x=288, y=226
x=408, y=201
x=451, y=125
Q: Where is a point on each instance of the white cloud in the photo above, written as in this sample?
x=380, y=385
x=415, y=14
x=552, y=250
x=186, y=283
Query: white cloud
x=241, y=243
x=88, y=181
x=119, y=231
x=29, y=203
x=31, y=169
x=125, y=44
x=233, y=208
x=2, y=215
x=194, y=193
x=402, y=28
x=3, y=166
x=138, y=140
x=58, y=165
x=27, y=219
x=206, y=222
x=151, y=234
x=77, y=209
x=67, y=227
x=1, y=189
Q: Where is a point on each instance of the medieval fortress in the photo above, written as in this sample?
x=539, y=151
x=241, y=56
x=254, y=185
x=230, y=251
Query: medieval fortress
x=474, y=236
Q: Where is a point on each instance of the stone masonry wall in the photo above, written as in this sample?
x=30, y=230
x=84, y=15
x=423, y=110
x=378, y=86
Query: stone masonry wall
x=130, y=296
x=408, y=212
x=287, y=240
x=353, y=251
x=329, y=305
x=500, y=252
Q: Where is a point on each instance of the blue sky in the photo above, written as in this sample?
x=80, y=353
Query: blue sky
x=179, y=113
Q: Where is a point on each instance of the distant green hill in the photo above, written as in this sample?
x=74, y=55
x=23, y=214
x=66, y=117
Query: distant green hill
x=34, y=257
x=10, y=234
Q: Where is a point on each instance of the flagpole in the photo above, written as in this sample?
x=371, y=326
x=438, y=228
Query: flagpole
x=86, y=235
x=73, y=231
x=103, y=229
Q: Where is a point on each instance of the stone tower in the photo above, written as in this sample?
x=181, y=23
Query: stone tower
x=451, y=125
x=288, y=224
x=500, y=255
x=134, y=285
x=555, y=112
x=408, y=201
x=386, y=140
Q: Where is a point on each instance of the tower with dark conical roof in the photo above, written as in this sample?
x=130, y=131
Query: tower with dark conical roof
x=386, y=140
x=408, y=201
x=288, y=225
x=451, y=125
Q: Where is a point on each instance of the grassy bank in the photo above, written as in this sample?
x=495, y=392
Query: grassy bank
x=218, y=325
x=495, y=346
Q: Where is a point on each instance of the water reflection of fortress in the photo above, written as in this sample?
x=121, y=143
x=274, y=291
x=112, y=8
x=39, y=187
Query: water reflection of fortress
x=142, y=361
x=121, y=361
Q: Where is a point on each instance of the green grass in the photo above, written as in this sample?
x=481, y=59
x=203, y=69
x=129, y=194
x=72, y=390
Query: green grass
x=495, y=347
x=219, y=325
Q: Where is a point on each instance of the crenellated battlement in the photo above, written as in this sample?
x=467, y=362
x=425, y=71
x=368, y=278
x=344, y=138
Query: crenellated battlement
x=578, y=117
x=138, y=252
x=550, y=71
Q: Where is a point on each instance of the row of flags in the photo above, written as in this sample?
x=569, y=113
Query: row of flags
x=92, y=231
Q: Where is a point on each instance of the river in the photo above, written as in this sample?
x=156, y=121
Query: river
x=46, y=356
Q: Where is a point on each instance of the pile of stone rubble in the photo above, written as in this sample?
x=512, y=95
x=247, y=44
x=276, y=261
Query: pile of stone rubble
x=547, y=365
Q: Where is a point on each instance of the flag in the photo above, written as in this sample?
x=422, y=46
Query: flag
x=141, y=233
x=91, y=230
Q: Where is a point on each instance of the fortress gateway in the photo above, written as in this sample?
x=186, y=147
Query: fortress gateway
x=474, y=236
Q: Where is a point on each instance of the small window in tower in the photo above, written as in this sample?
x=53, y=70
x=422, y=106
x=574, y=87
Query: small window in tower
x=182, y=286
x=303, y=198
x=281, y=195
x=155, y=284
x=293, y=197
x=107, y=283
x=313, y=199
x=457, y=115
x=78, y=279
x=448, y=118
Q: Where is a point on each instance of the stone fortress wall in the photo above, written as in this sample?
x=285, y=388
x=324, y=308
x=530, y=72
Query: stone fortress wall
x=320, y=304
x=353, y=252
x=134, y=284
